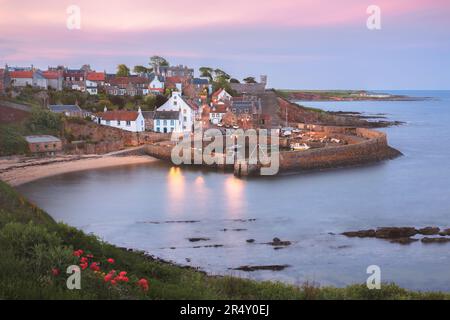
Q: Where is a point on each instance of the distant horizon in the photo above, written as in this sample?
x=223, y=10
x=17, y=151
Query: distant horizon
x=296, y=43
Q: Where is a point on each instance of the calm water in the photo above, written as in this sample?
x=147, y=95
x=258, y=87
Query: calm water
x=119, y=205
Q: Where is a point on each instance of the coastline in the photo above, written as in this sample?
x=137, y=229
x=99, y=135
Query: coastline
x=20, y=170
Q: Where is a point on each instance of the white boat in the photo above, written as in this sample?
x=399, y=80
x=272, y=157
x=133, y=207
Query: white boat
x=300, y=146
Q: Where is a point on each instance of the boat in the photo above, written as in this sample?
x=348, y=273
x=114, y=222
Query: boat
x=300, y=146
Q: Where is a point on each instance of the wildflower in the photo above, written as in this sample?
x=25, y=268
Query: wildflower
x=84, y=265
x=111, y=261
x=108, y=277
x=123, y=273
x=113, y=282
x=143, y=283
x=94, y=266
x=56, y=272
x=78, y=253
x=84, y=260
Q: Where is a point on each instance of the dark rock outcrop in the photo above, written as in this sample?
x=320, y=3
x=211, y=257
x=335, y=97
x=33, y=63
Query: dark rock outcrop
x=277, y=242
x=198, y=239
x=427, y=240
x=360, y=234
x=404, y=241
x=257, y=268
x=429, y=231
x=395, y=232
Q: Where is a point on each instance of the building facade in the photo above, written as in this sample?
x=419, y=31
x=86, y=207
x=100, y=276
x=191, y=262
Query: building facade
x=132, y=121
x=44, y=144
x=186, y=110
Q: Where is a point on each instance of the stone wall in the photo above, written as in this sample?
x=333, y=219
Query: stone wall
x=374, y=148
x=91, y=138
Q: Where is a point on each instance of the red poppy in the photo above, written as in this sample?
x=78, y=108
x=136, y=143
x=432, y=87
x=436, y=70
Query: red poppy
x=94, y=266
x=143, y=283
x=78, y=253
x=84, y=260
x=108, y=277
x=56, y=272
x=111, y=261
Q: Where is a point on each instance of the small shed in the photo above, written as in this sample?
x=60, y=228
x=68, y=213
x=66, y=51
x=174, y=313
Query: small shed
x=44, y=144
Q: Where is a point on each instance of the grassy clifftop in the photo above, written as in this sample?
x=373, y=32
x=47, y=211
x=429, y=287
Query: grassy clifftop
x=35, y=252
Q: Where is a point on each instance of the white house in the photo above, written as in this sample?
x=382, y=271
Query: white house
x=91, y=87
x=186, y=112
x=126, y=120
x=217, y=112
x=221, y=95
x=167, y=121
x=156, y=86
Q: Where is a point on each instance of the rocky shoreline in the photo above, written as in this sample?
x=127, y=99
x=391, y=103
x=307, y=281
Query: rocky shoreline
x=404, y=235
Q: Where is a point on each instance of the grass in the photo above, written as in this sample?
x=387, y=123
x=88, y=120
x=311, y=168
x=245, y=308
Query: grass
x=32, y=243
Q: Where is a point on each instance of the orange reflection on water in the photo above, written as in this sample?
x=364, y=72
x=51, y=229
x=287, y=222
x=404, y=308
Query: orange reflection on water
x=234, y=197
x=176, y=186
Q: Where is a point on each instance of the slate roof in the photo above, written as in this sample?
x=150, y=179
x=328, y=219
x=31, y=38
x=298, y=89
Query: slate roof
x=167, y=115
x=200, y=81
x=63, y=108
x=41, y=139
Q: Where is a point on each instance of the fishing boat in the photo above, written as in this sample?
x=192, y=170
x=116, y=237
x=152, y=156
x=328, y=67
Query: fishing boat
x=300, y=146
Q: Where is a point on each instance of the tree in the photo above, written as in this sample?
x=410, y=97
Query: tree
x=207, y=72
x=159, y=61
x=221, y=75
x=141, y=70
x=250, y=80
x=123, y=70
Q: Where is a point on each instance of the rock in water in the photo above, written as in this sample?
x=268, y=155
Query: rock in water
x=429, y=231
x=360, y=234
x=394, y=233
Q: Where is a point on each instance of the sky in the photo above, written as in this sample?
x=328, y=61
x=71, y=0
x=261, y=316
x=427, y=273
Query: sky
x=298, y=44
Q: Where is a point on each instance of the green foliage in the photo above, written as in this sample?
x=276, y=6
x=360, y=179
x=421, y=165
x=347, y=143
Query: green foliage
x=122, y=71
x=250, y=80
x=11, y=141
x=159, y=61
x=43, y=121
x=141, y=70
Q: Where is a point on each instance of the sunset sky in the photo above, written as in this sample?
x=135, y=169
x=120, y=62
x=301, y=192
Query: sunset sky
x=308, y=44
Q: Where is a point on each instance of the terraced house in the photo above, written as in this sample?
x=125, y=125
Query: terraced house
x=127, y=86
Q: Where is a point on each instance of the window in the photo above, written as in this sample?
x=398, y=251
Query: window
x=174, y=103
x=165, y=123
x=158, y=129
x=108, y=122
x=157, y=122
x=172, y=122
x=118, y=122
x=128, y=123
x=184, y=119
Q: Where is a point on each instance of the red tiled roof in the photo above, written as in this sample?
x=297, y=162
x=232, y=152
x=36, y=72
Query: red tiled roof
x=22, y=74
x=96, y=76
x=119, y=115
x=216, y=94
x=51, y=74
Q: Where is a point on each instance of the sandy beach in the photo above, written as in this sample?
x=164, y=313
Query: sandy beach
x=20, y=170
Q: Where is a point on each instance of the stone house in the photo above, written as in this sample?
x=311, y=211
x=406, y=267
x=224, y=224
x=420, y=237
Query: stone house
x=44, y=144
x=69, y=110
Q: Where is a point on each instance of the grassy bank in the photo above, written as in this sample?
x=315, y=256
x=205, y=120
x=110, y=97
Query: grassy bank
x=35, y=252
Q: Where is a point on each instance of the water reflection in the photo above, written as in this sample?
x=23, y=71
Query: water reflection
x=234, y=197
x=176, y=192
